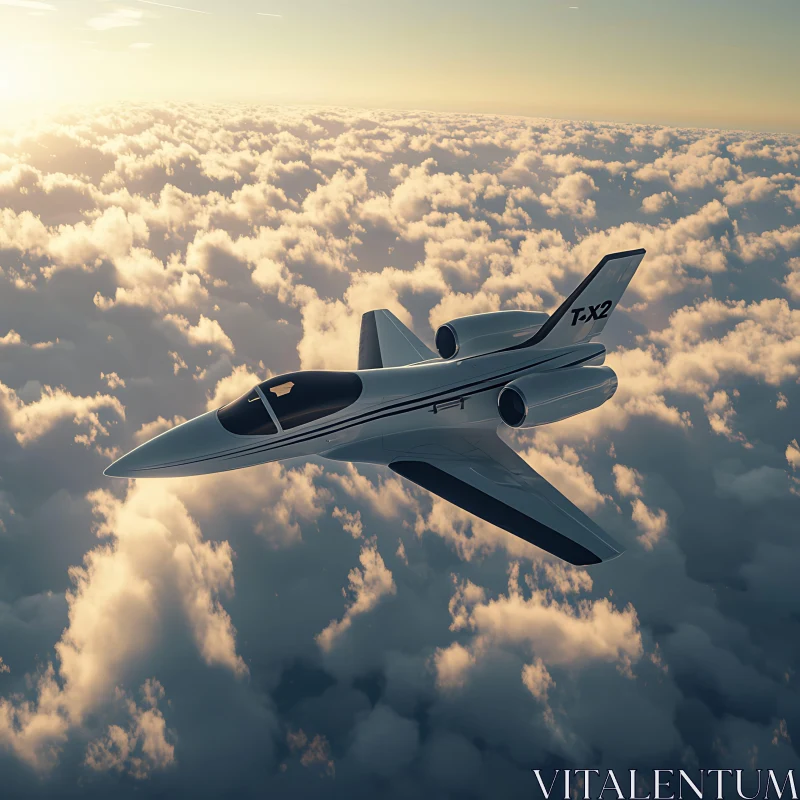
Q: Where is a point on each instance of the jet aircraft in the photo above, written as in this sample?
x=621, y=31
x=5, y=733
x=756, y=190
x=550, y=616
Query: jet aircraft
x=432, y=419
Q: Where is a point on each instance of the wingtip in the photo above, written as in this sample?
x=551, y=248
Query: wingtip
x=615, y=556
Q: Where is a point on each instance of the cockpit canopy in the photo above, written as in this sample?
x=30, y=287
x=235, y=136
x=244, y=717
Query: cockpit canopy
x=292, y=400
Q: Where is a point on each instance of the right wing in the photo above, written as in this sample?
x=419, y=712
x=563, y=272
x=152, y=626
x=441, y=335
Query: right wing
x=481, y=474
x=386, y=342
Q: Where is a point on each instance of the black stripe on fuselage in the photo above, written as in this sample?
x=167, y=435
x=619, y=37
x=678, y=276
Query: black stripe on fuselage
x=579, y=361
x=414, y=404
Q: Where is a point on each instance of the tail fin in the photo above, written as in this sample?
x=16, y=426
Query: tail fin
x=585, y=312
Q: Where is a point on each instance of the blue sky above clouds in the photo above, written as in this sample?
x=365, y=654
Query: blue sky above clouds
x=727, y=63
x=315, y=629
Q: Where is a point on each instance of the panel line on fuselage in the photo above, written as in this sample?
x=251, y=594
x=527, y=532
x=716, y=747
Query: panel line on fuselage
x=376, y=414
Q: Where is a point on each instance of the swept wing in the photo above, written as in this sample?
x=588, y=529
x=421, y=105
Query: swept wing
x=478, y=472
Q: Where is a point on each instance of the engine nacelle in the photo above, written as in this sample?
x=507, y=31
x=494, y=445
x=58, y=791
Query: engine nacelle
x=487, y=333
x=549, y=397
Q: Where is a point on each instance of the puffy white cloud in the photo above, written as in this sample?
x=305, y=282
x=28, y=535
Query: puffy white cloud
x=351, y=522
x=330, y=334
x=698, y=240
x=561, y=466
x=571, y=195
x=654, y=203
x=468, y=535
x=762, y=342
x=300, y=499
x=278, y=499
x=206, y=332
x=423, y=191
x=331, y=203
x=30, y=421
x=537, y=680
x=227, y=389
x=751, y=189
x=648, y=137
x=388, y=497
x=626, y=481
x=792, y=279
x=113, y=381
x=369, y=585
x=144, y=746
x=652, y=524
x=787, y=153
x=452, y=665
x=155, y=559
x=13, y=339
x=112, y=235
x=556, y=632
x=692, y=166
x=794, y=194
x=757, y=340
x=146, y=282
x=24, y=232
x=721, y=414
x=765, y=244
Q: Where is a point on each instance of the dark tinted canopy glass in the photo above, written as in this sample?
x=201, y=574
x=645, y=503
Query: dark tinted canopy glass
x=301, y=397
x=247, y=416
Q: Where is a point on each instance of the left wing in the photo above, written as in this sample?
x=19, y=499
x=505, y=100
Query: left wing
x=386, y=342
x=481, y=474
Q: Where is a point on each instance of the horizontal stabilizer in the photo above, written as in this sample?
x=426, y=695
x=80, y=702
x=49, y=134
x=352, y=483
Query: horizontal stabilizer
x=386, y=342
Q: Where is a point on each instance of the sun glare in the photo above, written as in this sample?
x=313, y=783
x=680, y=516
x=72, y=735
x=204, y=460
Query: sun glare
x=28, y=84
x=17, y=77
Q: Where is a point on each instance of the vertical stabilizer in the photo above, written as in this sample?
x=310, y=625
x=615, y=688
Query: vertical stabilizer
x=585, y=312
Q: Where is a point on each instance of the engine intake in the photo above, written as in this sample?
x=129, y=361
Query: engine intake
x=486, y=333
x=552, y=396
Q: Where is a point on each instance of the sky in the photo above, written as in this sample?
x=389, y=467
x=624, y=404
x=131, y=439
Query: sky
x=719, y=63
x=313, y=629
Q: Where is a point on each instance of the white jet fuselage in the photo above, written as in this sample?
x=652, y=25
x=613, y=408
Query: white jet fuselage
x=433, y=421
x=393, y=402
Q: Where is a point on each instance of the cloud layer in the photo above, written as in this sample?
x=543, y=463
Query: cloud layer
x=318, y=629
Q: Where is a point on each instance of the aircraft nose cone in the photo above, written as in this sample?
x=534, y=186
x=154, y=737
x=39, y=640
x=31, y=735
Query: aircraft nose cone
x=187, y=449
